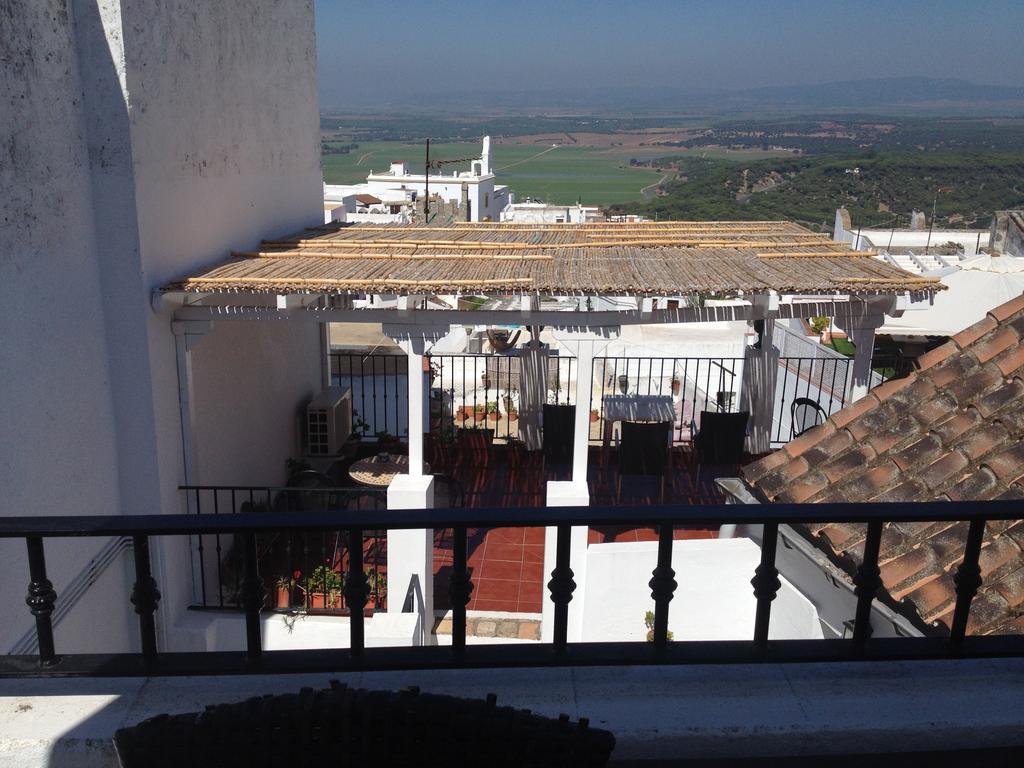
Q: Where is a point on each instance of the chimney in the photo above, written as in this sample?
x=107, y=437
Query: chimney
x=485, y=157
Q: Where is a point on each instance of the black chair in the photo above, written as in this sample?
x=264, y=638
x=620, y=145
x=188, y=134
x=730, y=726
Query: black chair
x=644, y=452
x=559, y=427
x=721, y=437
x=804, y=413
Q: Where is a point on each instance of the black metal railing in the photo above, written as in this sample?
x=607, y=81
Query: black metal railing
x=380, y=391
x=303, y=571
x=484, y=391
x=246, y=529
x=695, y=384
x=808, y=390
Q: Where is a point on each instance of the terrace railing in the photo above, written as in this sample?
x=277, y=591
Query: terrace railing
x=484, y=391
x=303, y=570
x=247, y=529
x=380, y=391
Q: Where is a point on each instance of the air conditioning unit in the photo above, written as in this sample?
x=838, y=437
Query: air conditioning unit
x=328, y=421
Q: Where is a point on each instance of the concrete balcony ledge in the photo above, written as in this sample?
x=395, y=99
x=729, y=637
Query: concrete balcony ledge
x=655, y=712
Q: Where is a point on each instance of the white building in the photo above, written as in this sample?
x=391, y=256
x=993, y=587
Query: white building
x=399, y=188
x=532, y=212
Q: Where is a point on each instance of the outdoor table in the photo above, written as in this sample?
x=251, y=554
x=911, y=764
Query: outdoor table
x=379, y=472
x=635, y=408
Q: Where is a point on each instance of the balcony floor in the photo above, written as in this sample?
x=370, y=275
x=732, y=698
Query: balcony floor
x=507, y=564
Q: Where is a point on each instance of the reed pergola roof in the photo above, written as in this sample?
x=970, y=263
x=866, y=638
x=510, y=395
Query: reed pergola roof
x=669, y=258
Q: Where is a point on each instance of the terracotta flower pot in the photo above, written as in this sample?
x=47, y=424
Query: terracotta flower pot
x=594, y=416
x=283, y=597
x=494, y=416
x=320, y=602
x=513, y=416
x=479, y=416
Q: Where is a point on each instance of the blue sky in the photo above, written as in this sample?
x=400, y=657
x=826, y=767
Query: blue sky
x=381, y=50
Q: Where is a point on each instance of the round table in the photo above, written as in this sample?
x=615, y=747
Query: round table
x=378, y=472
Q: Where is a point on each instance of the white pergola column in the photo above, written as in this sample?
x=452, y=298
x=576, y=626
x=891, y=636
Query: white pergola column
x=757, y=388
x=862, y=334
x=581, y=431
x=411, y=553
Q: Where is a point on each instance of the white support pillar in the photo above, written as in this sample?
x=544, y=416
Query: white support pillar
x=862, y=334
x=566, y=494
x=757, y=388
x=417, y=394
x=581, y=429
x=411, y=553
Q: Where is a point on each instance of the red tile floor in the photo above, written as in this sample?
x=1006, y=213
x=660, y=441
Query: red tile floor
x=507, y=564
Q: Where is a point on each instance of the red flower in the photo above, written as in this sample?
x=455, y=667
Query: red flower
x=297, y=575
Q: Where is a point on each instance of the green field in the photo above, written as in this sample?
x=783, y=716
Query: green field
x=594, y=175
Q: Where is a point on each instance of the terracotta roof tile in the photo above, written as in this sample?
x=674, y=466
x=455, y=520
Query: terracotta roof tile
x=1009, y=394
x=879, y=479
x=910, y=571
x=934, y=408
x=954, y=429
x=1008, y=464
x=997, y=555
x=971, y=334
x=1011, y=588
x=1010, y=308
x=840, y=466
x=994, y=343
x=852, y=412
x=809, y=439
x=908, y=490
x=843, y=536
x=956, y=425
x=936, y=356
x=974, y=384
x=979, y=485
x=765, y=465
x=1011, y=360
x=983, y=440
x=802, y=489
x=933, y=597
x=833, y=445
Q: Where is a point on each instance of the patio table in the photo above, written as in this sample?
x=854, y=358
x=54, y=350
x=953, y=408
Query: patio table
x=378, y=471
x=635, y=408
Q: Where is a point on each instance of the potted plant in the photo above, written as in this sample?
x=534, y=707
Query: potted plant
x=461, y=414
x=479, y=412
x=492, y=411
x=378, y=583
x=283, y=589
x=322, y=588
x=509, y=400
x=676, y=384
x=649, y=621
x=594, y=415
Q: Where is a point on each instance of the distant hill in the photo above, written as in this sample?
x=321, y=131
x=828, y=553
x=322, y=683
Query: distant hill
x=903, y=94
x=868, y=94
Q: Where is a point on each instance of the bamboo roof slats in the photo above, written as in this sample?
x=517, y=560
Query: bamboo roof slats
x=655, y=259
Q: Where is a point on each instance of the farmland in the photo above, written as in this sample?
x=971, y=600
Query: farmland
x=561, y=175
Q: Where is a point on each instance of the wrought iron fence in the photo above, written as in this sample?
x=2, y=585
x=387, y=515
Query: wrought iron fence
x=380, y=391
x=807, y=391
x=303, y=570
x=485, y=391
x=247, y=528
x=694, y=384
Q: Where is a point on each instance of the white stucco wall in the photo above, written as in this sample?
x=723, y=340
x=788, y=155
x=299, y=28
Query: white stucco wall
x=252, y=382
x=164, y=134
x=714, y=599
